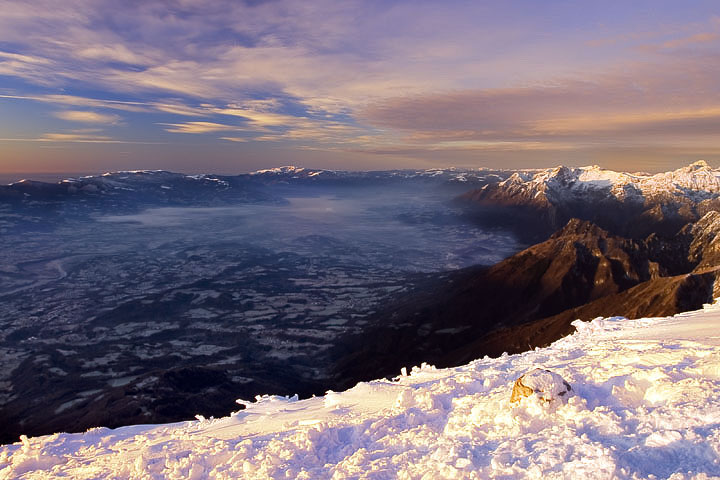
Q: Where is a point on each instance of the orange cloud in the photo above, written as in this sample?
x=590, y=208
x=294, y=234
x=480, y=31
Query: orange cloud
x=198, y=127
x=642, y=100
x=87, y=117
x=691, y=40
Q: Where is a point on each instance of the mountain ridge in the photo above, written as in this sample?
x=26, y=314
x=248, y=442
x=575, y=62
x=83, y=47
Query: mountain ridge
x=531, y=298
x=634, y=205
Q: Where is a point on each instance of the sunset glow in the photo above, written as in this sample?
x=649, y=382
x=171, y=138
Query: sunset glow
x=228, y=87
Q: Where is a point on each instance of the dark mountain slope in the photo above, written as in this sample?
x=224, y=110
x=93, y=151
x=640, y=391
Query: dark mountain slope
x=531, y=298
x=655, y=298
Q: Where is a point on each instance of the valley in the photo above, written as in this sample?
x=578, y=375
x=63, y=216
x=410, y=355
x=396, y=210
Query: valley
x=152, y=297
x=159, y=314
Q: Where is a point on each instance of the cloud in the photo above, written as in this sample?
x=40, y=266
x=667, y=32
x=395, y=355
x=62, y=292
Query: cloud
x=76, y=138
x=261, y=105
x=324, y=132
x=691, y=40
x=7, y=56
x=198, y=127
x=647, y=102
x=78, y=101
x=389, y=76
x=270, y=129
x=36, y=69
x=658, y=121
x=113, y=53
x=262, y=118
x=330, y=56
x=179, y=109
x=87, y=117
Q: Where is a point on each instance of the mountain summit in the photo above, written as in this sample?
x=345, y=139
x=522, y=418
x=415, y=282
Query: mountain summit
x=624, y=203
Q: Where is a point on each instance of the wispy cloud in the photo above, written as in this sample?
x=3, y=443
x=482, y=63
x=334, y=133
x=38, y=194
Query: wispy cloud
x=113, y=53
x=87, y=117
x=329, y=56
x=198, y=127
x=178, y=109
x=68, y=138
x=370, y=76
x=261, y=118
x=78, y=101
x=16, y=57
x=697, y=38
x=646, y=101
x=76, y=137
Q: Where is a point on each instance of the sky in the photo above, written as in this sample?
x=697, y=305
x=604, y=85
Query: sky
x=231, y=86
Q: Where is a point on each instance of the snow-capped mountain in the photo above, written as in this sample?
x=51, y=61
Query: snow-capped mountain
x=644, y=404
x=142, y=186
x=294, y=174
x=159, y=186
x=630, y=204
x=696, y=182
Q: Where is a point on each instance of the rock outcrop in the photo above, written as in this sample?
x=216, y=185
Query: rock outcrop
x=547, y=386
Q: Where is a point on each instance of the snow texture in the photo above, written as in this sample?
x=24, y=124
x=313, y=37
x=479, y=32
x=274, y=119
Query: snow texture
x=697, y=181
x=645, y=403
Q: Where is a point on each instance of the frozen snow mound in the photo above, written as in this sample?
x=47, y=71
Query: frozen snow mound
x=645, y=403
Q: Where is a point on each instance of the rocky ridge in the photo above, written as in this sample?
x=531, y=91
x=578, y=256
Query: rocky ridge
x=634, y=205
x=531, y=298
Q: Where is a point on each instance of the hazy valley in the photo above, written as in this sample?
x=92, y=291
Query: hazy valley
x=145, y=297
x=123, y=303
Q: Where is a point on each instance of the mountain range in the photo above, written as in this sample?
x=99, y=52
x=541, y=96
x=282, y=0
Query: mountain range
x=29, y=205
x=634, y=205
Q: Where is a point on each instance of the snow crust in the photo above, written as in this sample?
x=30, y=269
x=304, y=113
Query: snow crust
x=645, y=404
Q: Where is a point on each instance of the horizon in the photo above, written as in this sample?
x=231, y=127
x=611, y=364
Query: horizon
x=220, y=86
x=53, y=177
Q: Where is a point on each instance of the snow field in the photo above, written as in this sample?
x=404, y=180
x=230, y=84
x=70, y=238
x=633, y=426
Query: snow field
x=645, y=404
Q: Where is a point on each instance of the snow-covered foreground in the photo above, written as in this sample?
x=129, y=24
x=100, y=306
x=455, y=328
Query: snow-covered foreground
x=646, y=404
